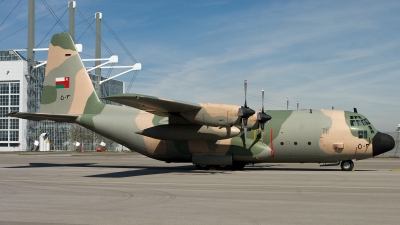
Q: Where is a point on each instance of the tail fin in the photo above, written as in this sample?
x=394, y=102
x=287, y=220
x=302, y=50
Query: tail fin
x=67, y=88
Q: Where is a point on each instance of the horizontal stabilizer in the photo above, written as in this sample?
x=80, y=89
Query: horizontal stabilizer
x=154, y=105
x=43, y=116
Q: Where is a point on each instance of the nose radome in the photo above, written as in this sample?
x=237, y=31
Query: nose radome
x=382, y=143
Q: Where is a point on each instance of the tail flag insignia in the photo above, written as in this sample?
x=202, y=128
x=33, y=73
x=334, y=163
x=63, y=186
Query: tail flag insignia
x=62, y=82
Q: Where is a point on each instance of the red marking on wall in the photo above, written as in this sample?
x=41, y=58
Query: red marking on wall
x=271, y=142
x=355, y=153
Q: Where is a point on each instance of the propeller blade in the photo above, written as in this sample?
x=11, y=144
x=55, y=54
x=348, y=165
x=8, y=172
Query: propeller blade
x=245, y=129
x=245, y=93
x=262, y=117
x=262, y=132
x=262, y=109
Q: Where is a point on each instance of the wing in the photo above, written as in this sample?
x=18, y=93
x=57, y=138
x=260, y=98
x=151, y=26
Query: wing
x=43, y=116
x=154, y=105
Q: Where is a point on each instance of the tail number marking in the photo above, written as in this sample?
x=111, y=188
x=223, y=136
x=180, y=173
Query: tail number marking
x=64, y=97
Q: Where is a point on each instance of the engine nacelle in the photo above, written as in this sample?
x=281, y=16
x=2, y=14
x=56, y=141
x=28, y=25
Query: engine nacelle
x=217, y=115
x=181, y=132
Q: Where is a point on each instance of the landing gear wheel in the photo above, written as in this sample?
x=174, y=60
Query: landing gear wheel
x=347, y=165
x=238, y=165
x=203, y=167
x=223, y=167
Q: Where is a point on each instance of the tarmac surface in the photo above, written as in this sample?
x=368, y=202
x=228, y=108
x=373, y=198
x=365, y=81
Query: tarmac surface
x=127, y=188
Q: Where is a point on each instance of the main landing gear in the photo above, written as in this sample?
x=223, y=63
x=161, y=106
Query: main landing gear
x=347, y=165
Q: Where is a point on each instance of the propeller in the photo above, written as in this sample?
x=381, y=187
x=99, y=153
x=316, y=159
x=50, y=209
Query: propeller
x=245, y=112
x=262, y=117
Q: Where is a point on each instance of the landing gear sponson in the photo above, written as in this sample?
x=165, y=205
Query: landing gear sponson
x=234, y=166
x=347, y=165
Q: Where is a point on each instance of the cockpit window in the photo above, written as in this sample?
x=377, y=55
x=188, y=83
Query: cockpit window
x=358, y=121
x=372, y=130
x=354, y=123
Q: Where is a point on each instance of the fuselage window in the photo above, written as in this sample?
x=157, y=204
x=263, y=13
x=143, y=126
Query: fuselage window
x=360, y=134
x=281, y=143
x=309, y=143
x=295, y=143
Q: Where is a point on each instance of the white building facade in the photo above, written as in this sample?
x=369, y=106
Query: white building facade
x=13, y=97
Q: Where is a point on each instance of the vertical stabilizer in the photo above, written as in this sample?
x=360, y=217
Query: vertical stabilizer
x=67, y=88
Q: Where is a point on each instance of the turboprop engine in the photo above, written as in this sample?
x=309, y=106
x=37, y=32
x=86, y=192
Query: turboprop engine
x=217, y=115
x=181, y=132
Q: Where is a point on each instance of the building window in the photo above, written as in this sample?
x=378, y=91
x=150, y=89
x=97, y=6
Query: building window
x=14, y=109
x=3, y=99
x=14, y=123
x=4, y=88
x=4, y=124
x=14, y=88
x=14, y=99
x=14, y=135
x=3, y=135
x=3, y=111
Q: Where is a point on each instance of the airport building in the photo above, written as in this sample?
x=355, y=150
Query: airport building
x=13, y=94
x=21, y=91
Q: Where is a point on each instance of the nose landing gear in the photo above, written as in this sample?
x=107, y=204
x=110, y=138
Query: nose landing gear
x=347, y=165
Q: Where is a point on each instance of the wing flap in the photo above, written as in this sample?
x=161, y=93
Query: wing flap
x=154, y=105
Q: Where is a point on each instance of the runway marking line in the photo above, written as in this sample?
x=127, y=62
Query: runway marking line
x=221, y=185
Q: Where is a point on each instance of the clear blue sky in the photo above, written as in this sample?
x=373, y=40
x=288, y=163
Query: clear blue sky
x=321, y=53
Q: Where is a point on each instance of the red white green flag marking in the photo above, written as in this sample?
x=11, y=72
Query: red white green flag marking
x=62, y=82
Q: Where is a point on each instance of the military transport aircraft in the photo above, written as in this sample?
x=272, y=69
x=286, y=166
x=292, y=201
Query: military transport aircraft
x=205, y=134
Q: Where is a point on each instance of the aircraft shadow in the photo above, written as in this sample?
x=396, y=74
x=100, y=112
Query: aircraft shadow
x=250, y=168
x=135, y=171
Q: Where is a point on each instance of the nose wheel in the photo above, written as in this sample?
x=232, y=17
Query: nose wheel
x=347, y=165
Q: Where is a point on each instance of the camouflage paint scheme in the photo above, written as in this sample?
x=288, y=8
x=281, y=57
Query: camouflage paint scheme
x=200, y=133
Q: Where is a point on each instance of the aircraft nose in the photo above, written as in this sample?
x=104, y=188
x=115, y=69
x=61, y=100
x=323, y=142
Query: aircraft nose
x=382, y=143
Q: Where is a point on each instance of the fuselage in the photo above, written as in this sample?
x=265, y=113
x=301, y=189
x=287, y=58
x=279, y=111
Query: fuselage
x=291, y=136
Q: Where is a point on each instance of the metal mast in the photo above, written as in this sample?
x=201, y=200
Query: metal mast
x=32, y=102
x=72, y=5
x=98, y=17
x=31, y=35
